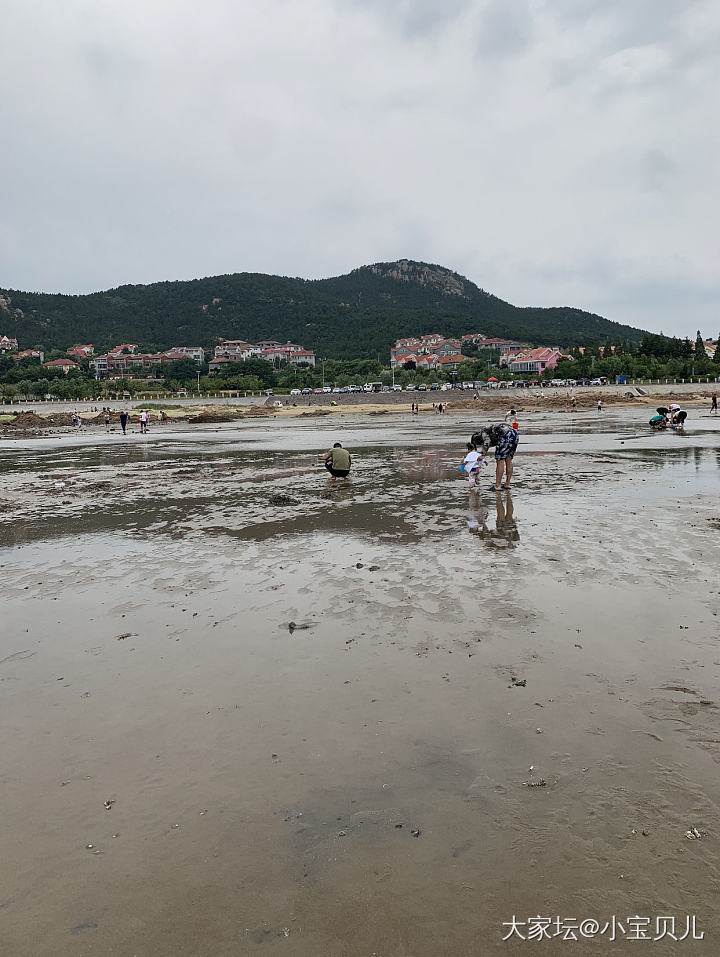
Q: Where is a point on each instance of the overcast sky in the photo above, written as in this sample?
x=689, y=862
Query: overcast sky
x=556, y=152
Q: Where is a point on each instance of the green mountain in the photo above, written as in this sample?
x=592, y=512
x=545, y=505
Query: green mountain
x=354, y=316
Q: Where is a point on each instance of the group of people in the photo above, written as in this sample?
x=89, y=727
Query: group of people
x=144, y=418
x=673, y=416
x=504, y=436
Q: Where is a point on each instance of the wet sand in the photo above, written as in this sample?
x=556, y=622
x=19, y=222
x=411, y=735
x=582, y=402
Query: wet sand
x=258, y=772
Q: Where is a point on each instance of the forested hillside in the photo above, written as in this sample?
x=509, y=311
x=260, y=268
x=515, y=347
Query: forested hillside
x=353, y=316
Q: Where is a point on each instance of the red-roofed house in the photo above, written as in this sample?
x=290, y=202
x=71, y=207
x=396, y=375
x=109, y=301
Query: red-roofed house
x=216, y=364
x=81, y=352
x=64, y=364
x=29, y=354
x=399, y=360
x=289, y=353
x=8, y=345
x=450, y=362
x=448, y=347
x=502, y=345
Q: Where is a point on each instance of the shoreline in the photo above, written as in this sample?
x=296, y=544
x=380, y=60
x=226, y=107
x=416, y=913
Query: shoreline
x=26, y=423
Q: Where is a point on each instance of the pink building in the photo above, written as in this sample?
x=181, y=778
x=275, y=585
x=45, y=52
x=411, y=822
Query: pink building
x=536, y=360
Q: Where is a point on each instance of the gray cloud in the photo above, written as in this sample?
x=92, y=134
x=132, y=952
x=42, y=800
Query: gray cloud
x=620, y=23
x=505, y=27
x=551, y=157
x=413, y=18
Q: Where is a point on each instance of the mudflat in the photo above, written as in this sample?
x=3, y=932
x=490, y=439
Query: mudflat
x=249, y=710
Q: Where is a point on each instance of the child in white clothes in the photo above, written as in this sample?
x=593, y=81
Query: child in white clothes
x=472, y=463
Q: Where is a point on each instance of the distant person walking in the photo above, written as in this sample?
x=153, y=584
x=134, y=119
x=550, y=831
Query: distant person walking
x=600, y=405
x=106, y=417
x=123, y=422
x=505, y=439
x=143, y=422
x=713, y=404
x=337, y=461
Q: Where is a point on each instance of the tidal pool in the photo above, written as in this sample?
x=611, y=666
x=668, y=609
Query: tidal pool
x=225, y=719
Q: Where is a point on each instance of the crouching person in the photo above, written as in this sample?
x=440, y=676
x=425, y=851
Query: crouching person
x=338, y=462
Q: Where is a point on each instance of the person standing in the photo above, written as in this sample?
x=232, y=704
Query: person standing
x=337, y=461
x=123, y=421
x=143, y=422
x=106, y=417
x=713, y=404
x=600, y=407
x=505, y=439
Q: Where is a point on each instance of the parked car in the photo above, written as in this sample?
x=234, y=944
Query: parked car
x=326, y=389
x=445, y=387
x=337, y=389
x=409, y=388
x=422, y=387
x=294, y=391
x=318, y=391
x=397, y=388
x=306, y=391
x=434, y=387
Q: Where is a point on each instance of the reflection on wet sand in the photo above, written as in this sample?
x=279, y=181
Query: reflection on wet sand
x=248, y=710
x=505, y=532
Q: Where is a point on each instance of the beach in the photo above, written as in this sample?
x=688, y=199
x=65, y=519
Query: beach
x=248, y=710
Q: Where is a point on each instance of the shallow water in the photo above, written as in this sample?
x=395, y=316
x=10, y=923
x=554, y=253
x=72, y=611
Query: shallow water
x=260, y=772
